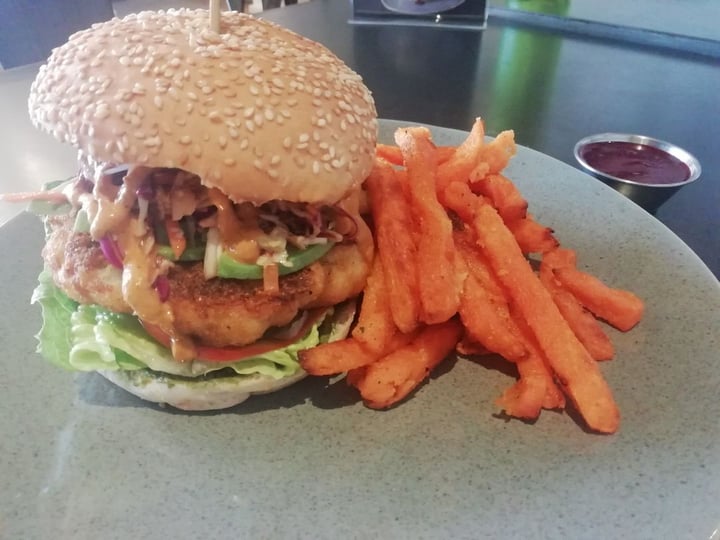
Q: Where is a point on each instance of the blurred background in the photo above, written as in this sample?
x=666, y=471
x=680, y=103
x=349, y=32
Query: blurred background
x=30, y=29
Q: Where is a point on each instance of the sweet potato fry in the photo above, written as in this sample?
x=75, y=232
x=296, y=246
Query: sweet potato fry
x=535, y=388
x=622, y=309
x=354, y=376
x=575, y=369
x=531, y=236
x=467, y=347
x=439, y=282
x=390, y=379
x=394, y=155
x=346, y=355
x=585, y=326
x=504, y=196
x=336, y=357
x=484, y=310
x=375, y=326
x=498, y=152
x=465, y=158
x=445, y=153
x=488, y=323
x=559, y=258
x=536, y=365
x=457, y=197
x=391, y=215
x=524, y=398
x=389, y=153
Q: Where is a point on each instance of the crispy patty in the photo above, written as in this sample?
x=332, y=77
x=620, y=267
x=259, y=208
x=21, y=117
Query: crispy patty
x=217, y=312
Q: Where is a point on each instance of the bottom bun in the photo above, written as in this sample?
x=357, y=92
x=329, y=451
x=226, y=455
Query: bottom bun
x=220, y=392
x=190, y=395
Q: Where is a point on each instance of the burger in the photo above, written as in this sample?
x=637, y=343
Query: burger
x=214, y=228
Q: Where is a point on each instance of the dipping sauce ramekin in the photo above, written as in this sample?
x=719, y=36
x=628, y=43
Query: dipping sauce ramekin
x=646, y=170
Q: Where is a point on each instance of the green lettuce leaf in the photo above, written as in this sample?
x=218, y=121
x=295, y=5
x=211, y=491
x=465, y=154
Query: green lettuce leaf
x=55, y=336
x=91, y=338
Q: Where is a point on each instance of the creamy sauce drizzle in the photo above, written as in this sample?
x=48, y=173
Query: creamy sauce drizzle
x=239, y=233
x=141, y=266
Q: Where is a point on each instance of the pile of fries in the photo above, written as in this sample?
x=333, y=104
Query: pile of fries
x=453, y=272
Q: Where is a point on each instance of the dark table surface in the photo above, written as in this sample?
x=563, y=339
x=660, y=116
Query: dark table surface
x=551, y=88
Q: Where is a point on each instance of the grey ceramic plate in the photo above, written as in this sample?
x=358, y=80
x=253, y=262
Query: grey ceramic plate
x=81, y=459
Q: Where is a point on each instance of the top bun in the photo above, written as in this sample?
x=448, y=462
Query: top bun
x=257, y=111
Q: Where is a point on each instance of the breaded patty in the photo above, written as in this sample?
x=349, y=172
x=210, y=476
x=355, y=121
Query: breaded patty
x=79, y=267
x=217, y=312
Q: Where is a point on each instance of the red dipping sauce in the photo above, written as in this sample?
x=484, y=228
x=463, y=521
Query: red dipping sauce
x=635, y=162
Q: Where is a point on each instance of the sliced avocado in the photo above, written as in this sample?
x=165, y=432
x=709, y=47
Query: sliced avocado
x=48, y=208
x=195, y=253
x=299, y=259
x=82, y=223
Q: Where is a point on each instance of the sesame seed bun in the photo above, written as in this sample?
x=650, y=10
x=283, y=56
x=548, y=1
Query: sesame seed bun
x=257, y=111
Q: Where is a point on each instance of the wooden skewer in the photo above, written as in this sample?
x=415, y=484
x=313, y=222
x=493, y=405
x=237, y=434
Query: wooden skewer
x=215, y=15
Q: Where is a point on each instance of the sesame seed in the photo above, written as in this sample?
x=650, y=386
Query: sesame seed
x=152, y=142
x=222, y=140
x=304, y=137
x=185, y=139
x=273, y=173
x=157, y=100
x=275, y=160
x=244, y=144
x=230, y=162
x=287, y=142
x=102, y=112
x=316, y=167
x=258, y=164
x=248, y=112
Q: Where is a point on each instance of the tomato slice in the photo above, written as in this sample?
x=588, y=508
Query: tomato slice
x=236, y=354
